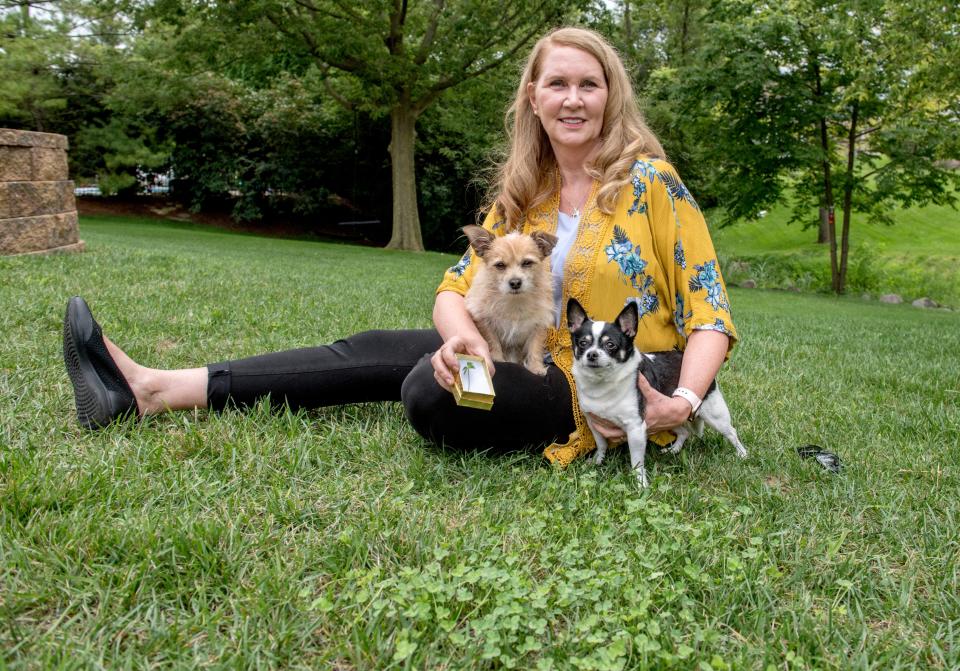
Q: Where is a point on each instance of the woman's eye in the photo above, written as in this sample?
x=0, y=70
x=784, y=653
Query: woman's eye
x=500, y=265
x=556, y=83
x=588, y=85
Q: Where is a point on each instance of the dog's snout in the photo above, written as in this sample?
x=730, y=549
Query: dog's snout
x=516, y=283
x=592, y=355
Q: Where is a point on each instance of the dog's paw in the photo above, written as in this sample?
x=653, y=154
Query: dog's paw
x=537, y=368
x=671, y=449
x=598, y=458
x=642, y=480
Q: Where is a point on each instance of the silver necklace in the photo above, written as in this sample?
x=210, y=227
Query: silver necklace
x=583, y=202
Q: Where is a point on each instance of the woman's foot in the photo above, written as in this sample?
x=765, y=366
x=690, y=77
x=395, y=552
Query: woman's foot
x=108, y=384
x=100, y=390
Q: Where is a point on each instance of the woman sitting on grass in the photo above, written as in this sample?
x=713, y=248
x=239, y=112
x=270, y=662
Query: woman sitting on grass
x=582, y=165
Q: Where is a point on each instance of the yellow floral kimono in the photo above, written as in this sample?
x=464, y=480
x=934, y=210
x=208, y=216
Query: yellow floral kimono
x=654, y=250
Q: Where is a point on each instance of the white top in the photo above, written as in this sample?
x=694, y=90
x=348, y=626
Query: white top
x=566, y=233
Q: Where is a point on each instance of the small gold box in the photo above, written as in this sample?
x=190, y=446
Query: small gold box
x=472, y=386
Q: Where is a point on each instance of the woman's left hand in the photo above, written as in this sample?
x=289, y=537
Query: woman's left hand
x=663, y=413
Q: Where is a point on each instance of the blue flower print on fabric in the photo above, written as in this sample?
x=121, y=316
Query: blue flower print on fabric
x=681, y=315
x=632, y=268
x=638, y=171
x=717, y=325
x=647, y=303
x=461, y=266
x=639, y=188
x=676, y=189
x=678, y=256
x=708, y=279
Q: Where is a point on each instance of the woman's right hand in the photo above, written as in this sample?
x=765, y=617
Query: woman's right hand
x=444, y=360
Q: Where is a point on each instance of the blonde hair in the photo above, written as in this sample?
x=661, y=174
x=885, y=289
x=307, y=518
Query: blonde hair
x=527, y=176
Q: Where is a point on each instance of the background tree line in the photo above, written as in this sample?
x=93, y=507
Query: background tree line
x=393, y=109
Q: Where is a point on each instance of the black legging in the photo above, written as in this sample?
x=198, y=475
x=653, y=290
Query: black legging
x=529, y=409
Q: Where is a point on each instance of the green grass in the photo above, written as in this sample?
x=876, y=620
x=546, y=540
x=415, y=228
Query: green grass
x=338, y=539
x=917, y=256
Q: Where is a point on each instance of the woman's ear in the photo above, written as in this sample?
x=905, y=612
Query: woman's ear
x=531, y=87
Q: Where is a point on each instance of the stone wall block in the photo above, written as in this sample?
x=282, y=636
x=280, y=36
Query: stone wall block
x=38, y=209
x=16, y=163
x=31, y=199
x=45, y=232
x=49, y=164
x=29, y=138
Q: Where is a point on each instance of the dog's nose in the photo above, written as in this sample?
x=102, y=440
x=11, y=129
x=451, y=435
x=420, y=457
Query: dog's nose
x=515, y=283
x=592, y=355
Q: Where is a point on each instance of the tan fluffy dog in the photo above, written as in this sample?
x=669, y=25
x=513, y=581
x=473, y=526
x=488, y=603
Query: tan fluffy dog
x=511, y=297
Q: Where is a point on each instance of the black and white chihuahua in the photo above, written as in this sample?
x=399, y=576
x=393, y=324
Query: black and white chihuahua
x=605, y=367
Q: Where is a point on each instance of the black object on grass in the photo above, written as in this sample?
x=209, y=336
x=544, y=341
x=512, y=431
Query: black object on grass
x=828, y=460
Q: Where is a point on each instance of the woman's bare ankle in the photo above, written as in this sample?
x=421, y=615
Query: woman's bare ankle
x=157, y=390
x=134, y=374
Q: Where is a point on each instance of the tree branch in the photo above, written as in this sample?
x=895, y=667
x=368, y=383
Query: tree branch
x=394, y=40
x=350, y=11
x=868, y=131
x=346, y=64
x=465, y=73
x=886, y=166
x=429, y=34
x=17, y=4
x=343, y=100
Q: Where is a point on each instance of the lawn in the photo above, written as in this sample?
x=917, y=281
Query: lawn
x=338, y=539
x=917, y=256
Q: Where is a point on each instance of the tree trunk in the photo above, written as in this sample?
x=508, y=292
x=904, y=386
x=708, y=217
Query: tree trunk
x=823, y=230
x=830, y=233
x=827, y=231
x=841, y=283
x=406, y=218
x=627, y=26
x=685, y=33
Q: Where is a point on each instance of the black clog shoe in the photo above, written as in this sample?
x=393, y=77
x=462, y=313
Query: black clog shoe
x=828, y=460
x=101, y=393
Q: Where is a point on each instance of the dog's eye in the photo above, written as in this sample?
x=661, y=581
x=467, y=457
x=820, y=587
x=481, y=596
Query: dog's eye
x=585, y=342
x=526, y=263
x=500, y=265
x=610, y=346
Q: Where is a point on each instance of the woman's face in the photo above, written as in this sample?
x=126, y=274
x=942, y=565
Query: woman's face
x=569, y=97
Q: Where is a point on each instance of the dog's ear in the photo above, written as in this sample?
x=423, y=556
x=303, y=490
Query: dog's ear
x=628, y=319
x=576, y=315
x=545, y=242
x=479, y=237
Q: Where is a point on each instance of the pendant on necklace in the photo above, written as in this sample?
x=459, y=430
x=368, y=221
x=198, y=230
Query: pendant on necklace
x=576, y=213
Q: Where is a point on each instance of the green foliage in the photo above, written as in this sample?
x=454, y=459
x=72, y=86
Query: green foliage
x=457, y=141
x=398, y=61
x=336, y=538
x=655, y=39
x=884, y=258
x=245, y=102
x=122, y=152
x=32, y=51
x=825, y=98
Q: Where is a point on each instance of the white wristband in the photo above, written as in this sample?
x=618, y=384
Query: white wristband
x=689, y=397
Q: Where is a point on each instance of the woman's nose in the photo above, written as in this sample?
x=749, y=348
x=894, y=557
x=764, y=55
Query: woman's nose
x=573, y=96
